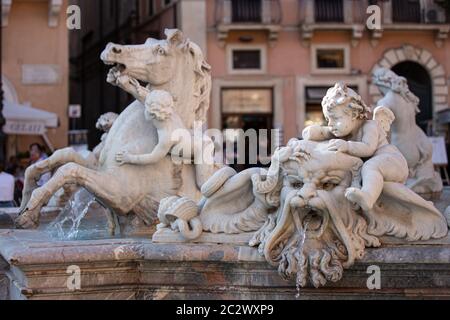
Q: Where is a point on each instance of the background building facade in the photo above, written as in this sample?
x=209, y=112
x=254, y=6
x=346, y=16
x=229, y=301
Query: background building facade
x=272, y=60
x=35, y=68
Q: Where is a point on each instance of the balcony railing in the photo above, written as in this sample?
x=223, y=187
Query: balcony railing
x=418, y=11
x=329, y=11
x=406, y=11
x=248, y=12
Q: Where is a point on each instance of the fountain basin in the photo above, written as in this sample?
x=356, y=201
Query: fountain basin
x=34, y=266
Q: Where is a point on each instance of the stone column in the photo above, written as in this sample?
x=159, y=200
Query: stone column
x=194, y=28
x=226, y=13
x=265, y=8
x=348, y=11
x=387, y=12
x=309, y=12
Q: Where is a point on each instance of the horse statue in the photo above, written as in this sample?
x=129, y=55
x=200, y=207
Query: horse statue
x=406, y=135
x=175, y=65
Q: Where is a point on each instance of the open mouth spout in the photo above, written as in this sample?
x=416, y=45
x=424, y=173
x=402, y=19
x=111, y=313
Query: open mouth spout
x=313, y=222
x=311, y=219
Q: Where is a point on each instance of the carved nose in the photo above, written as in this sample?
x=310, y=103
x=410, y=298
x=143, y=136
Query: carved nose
x=307, y=192
x=116, y=49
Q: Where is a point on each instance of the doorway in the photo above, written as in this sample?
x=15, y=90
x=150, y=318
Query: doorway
x=247, y=116
x=419, y=82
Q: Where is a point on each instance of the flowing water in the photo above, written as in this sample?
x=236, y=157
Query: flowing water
x=67, y=225
x=301, y=243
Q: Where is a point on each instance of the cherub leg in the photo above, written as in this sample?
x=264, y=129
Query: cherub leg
x=33, y=172
x=372, y=185
x=101, y=184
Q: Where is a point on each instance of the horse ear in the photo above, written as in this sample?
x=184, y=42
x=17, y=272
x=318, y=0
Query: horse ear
x=174, y=36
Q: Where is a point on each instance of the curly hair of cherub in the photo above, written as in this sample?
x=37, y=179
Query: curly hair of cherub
x=159, y=103
x=340, y=94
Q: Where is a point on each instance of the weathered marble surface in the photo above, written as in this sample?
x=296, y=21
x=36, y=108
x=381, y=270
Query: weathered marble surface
x=36, y=266
x=175, y=65
x=406, y=135
x=322, y=201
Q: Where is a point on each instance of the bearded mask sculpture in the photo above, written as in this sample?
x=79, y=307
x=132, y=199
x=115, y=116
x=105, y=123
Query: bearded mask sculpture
x=316, y=232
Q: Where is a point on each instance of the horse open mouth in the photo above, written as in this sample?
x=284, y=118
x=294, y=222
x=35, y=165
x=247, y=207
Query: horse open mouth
x=119, y=66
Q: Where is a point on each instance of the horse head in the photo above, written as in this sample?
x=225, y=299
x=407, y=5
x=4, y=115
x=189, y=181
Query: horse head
x=174, y=64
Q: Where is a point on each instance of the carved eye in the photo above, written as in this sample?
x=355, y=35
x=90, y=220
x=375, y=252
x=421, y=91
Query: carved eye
x=297, y=185
x=329, y=185
x=295, y=182
x=161, y=51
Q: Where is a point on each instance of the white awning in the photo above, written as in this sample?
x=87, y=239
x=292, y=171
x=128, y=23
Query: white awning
x=24, y=119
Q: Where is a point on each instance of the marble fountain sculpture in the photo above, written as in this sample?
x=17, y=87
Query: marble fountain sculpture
x=318, y=206
x=406, y=135
x=312, y=214
x=175, y=65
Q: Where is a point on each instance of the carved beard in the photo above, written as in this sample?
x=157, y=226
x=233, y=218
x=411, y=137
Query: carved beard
x=338, y=237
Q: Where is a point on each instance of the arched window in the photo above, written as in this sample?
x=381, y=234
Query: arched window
x=419, y=83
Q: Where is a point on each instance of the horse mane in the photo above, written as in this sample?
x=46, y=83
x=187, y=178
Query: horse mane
x=202, y=84
x=389, y=79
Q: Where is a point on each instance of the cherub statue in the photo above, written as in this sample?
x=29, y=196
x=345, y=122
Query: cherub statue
x=173, y=137
x=351, y=131
x=104, y=123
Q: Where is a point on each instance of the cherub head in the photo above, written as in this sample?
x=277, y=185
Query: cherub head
x=344, y=109
x=158, y=105
x=105, y=121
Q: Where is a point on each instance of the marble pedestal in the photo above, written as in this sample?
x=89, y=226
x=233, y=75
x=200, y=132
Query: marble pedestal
x=33, y=266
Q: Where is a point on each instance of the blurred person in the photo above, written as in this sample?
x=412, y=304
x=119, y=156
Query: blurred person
x=14, y=168
x=12, y=165
x=7, y=184
x=37, y=154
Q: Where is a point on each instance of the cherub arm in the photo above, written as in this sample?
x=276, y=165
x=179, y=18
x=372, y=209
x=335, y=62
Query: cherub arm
x=317, y=133
x=369, y=142
x=160, y=151
x=127, y=83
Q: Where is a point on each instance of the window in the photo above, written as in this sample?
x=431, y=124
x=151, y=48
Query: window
x=246, y=118
x=330, y=59
x=329, y=11
x=406, y=11
x=247, y=100
x=246, y=11
x=246, y=59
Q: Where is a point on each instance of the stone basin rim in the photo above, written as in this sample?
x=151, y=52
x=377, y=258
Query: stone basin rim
x=18, y=249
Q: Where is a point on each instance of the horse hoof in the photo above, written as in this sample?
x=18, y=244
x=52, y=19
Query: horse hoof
x=27, y=220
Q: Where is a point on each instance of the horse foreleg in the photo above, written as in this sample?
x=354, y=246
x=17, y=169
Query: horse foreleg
x=101, y=184
x=57, y=159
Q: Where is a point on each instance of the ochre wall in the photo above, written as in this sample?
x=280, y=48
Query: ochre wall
x=289, y=59
x=29, y=40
